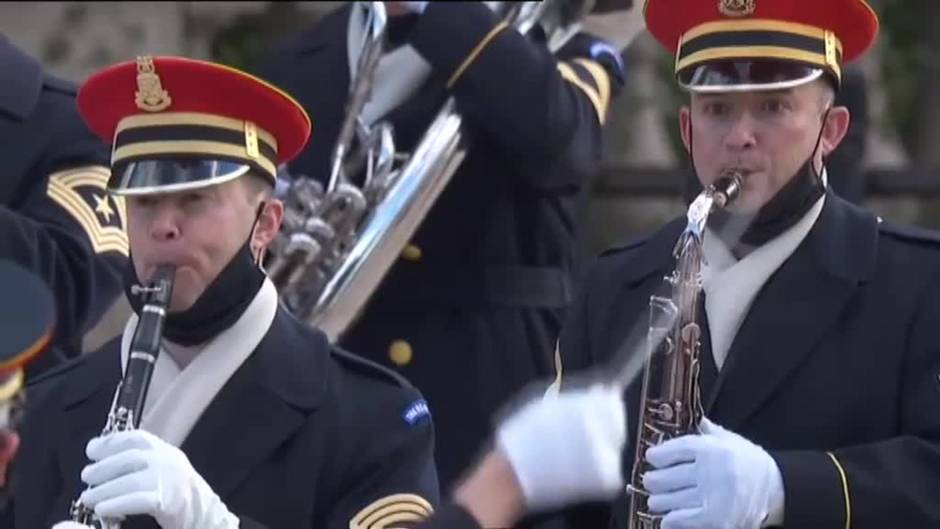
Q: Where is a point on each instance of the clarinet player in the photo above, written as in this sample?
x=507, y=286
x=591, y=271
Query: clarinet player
x=251, y=419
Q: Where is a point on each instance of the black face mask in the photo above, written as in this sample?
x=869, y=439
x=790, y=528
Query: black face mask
x=218, y=307
x=745, y=233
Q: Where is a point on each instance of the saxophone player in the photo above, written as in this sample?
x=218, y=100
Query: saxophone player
x=251, y=419
x=819, y=359
x=471, y=311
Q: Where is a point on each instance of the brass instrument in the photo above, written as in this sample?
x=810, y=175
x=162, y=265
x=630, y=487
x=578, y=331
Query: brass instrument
x=336, y=244
x=671, y=404
x=131, y=393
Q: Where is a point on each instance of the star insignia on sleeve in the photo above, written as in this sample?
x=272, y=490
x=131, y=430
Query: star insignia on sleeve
x=82, y=193
x=102, y=206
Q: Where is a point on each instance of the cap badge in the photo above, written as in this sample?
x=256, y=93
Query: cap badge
x=150, y=95
x=737, y=8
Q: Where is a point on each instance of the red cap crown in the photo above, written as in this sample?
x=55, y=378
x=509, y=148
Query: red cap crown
x=820, y=33
x=172, y=106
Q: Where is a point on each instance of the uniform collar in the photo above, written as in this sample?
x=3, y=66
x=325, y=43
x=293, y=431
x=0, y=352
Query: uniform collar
x=291, y=363
x=843, y=239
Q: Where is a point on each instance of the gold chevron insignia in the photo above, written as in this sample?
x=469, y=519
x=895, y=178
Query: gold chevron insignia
x=82, y=193
x=392, y=512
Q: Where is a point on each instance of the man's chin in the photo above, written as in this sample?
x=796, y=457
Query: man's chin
x=184, y=287
x=181, y=304
x=743, y=208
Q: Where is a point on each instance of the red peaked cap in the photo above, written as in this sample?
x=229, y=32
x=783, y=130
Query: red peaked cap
x=745, y=29
x=184, y=91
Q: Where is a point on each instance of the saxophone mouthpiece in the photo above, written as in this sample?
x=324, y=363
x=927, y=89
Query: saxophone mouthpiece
x=727, y=187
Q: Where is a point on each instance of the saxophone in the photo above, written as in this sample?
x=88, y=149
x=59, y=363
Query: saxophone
x=337, y=243
x=131, y=393
x=671, y=404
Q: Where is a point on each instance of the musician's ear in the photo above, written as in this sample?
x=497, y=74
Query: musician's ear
x=685, y=126
x=270, y=214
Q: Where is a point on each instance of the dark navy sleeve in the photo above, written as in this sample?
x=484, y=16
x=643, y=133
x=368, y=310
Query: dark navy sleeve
x=545, y=110
x=893, y=481
x=393, y=481
x=62, y=224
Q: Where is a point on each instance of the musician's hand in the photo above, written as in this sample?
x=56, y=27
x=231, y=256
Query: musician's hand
x=567, y=448
x=136, y=472
x=717, y=480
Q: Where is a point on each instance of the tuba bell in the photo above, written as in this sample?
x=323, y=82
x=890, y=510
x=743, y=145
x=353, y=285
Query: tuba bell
x=338, y=242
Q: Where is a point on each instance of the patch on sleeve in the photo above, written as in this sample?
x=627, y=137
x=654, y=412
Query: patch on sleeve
x=416, y=411
x=394, y=511
x=82, y=192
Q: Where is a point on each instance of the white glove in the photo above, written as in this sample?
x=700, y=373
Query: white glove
x=567, y=449
x=138, y=473
x=716, y=480
x=70, y=525
x=415, y=7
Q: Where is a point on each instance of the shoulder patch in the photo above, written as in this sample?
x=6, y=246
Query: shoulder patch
x=368, y=368
x=82, y=193
x=915, y=234
x=416, y=411
x=395, y=510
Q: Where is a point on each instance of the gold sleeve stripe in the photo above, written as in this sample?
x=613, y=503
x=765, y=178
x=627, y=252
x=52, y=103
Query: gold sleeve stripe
x=845, y=490
x=568, y=73
x=62, y=190
x=392, y=509
x=601, y=80
x=499, y=28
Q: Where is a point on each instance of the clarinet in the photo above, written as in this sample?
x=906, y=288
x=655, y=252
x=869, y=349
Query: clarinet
x=131, y=393
x=671, y=404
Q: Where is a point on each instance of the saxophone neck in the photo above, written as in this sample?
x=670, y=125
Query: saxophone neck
x=719, y=195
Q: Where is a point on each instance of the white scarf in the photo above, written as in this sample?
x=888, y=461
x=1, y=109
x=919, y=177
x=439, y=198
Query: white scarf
x=177, y=398
x=730, y=286
x=398, y=75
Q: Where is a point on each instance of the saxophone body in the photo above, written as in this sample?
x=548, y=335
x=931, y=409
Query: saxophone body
x=131, y=393
x=670, y=402
x=338, y=242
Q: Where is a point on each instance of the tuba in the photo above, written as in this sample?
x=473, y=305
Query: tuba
x=671, y=404
x=336, y=244
x=131, y=393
